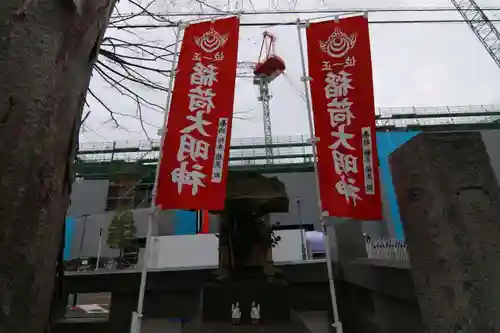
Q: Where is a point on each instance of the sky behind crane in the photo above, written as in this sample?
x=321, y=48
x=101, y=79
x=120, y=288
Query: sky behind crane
x=413, y=64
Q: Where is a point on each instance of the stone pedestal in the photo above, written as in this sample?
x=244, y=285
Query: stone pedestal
x=450, y=208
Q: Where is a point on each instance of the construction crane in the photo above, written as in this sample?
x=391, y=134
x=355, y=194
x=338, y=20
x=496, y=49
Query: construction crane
x=481, y=25
x=245, y=69
x=269, y=66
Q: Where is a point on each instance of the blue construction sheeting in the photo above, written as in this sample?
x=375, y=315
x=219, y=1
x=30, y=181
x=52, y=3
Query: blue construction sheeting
x=388, y=142
x=184, y=222
x=68, y=237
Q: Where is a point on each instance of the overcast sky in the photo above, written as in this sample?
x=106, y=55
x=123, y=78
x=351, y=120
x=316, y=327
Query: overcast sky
x=414, y=65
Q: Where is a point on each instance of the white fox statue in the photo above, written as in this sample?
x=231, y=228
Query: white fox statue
x=236, y=313
x=255, y=313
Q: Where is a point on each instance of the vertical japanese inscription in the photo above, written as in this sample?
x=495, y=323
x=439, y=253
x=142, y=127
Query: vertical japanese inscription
x=194, y=155
x=220, y=146
x=344, y=117
x=193, y=147
x=338, y=84
x=366, y=135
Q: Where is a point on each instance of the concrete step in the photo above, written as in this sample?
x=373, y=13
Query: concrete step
x=156, y=325
x=296, y=325
x=316, y=321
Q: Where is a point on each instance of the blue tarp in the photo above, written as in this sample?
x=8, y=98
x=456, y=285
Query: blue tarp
x=68, y=237
x=184, y=222
x=387, y=142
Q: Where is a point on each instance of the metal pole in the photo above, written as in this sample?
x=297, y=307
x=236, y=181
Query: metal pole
x=137, y=316
x=337, y=324
x=85, y=216
x=99, y=248
x=84, y=230
x=299, y=213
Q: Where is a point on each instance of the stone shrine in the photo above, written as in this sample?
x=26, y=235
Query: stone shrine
x=247, y=292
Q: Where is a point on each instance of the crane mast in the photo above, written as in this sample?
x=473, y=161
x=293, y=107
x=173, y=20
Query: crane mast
x=481, y=25
x=268, y=68
x=264, y=98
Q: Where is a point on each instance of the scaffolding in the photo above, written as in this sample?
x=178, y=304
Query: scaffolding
x=296, y=149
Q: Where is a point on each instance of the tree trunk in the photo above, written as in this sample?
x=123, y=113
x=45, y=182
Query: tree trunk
x=47, y=50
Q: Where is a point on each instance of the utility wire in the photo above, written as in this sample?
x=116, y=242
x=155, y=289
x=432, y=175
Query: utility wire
x=294, y=23
x=320, y=11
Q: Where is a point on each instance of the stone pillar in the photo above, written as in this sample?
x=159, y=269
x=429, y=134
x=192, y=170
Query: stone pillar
x=120, y=313
x=449, y=202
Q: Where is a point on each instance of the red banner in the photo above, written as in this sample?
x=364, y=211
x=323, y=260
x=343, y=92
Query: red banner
x=193, y=167
x=344, y=117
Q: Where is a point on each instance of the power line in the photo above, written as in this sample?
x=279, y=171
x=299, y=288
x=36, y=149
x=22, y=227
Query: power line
x=294, y=23
x=309, y=11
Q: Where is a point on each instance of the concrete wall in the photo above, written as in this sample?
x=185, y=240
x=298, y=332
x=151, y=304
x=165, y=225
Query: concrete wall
x=88, y=197
x=184, y=251
x=86, y=230
x=88, y=211
x=85, y=241
x=289, y=249
x=301, y=191
x=188, y=251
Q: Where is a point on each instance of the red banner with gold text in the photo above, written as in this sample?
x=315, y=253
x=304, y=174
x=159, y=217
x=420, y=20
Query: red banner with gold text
x=193, y=167
x=344, y=117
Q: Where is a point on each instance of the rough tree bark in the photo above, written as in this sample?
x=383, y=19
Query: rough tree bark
x=47, y=49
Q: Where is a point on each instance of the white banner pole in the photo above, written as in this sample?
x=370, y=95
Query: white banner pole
x=138, y=315
x=99, y=248
x=305, y=79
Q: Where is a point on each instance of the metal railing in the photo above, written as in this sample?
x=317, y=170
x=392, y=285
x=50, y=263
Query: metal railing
x=249, y=151
x=400, y=117
x=297, y=149
x=387, y=249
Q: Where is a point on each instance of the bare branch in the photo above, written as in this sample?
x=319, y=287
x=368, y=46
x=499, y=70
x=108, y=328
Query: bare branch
x=134, y=60
x=137, y=118
x=93, y=131
x=136, y=74
x=132, y=78
x=139, y=112
x=106, y=107
x=117, y=59
x=145, y=44
x=117, y=85
x=123, y=18
x=150, y=14
x=140, y=49
x=85, y=117
x=203, y=3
